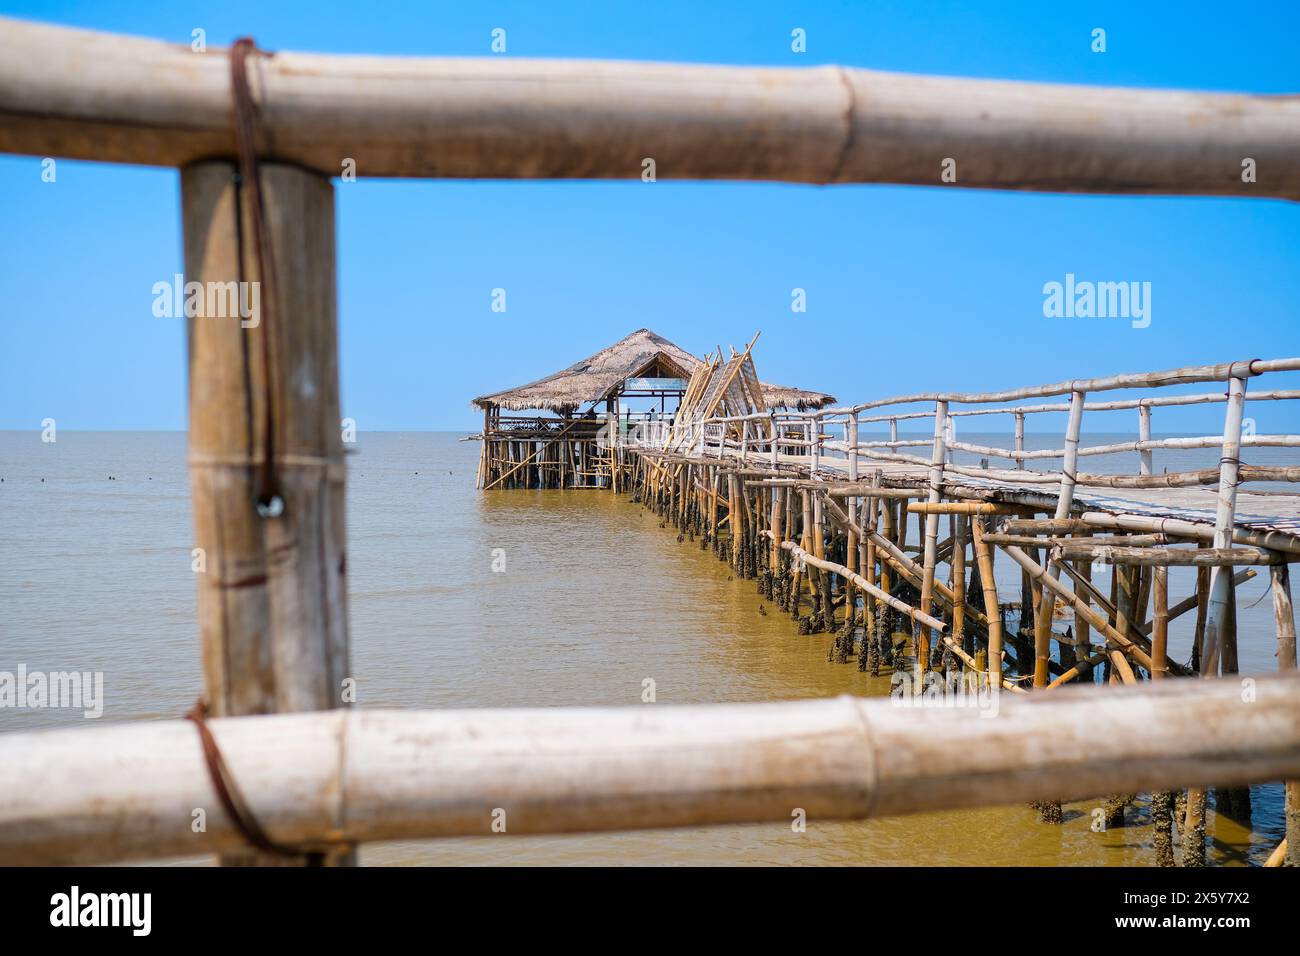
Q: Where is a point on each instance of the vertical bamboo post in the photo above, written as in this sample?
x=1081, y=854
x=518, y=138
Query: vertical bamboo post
x=850, y=599
x=959, y=582
x=1020, y=438
x=1161, y=802
x=775, y=450
x=1160, y=623
x=1221, y=577
x=884, y=628
x=984, y=560
x=930, y=555
x=273, y=603
x=868, y=549
x=778, y=532
x=1284, y=614
x=1065, y=497
x=1083, y=630
x=815, y=442
x=1144, y=434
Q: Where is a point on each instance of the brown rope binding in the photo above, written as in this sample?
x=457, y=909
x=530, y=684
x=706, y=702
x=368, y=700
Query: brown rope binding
x=232, y=798
x=269, y=502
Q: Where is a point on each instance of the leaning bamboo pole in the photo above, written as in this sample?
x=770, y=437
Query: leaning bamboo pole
x=1081, y=608
x=98, y=96
x=352, y=776
x=915, y=614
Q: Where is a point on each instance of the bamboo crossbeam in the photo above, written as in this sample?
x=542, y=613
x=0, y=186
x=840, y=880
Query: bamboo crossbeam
x=962, y=508
x=98, y=96
x=1075, y=550
x=1270, y=540
x=354, y=775
x=1032, y=541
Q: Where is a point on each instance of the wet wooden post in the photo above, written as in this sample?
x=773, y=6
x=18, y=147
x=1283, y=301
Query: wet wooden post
x=273, y=610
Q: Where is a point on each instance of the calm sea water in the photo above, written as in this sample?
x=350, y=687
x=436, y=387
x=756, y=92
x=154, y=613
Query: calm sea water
x=95, y=539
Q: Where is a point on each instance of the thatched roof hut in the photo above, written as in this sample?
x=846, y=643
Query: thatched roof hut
x=643, y=354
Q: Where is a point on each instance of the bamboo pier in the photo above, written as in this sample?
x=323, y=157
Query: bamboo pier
x=780, y=482
x=820, y=514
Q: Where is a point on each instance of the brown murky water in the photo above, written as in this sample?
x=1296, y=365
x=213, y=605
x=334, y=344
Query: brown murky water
x=95, y=575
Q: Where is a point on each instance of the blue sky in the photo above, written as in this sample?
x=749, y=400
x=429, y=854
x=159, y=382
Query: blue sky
x=905, y=286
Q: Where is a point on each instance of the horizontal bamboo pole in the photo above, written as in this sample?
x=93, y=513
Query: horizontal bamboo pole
x=1124, y=540
x=99, y=96
x=128, y=791
x=1180, y=527
x=1075, y=550
x=1211, y=441
x=963, y=508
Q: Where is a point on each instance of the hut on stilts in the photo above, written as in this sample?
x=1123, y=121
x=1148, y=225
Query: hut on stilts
x=559, y=431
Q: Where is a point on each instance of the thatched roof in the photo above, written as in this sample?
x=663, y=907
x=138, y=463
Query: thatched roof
x=639, y=355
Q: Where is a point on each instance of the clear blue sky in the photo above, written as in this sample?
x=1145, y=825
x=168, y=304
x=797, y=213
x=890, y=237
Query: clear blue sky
x=889, y=271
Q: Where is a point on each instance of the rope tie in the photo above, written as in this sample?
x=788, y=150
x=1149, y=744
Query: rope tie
x=232, y=798
x=269, y=502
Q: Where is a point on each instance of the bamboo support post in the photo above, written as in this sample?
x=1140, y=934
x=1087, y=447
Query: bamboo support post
x=931, y=534
x=1221, y=578
x=1284, y=616
x=1065, y=497
x=984, y=558
x=273, y=603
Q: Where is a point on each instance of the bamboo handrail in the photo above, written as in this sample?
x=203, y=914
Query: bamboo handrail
x=98, y=96
x=333, y=777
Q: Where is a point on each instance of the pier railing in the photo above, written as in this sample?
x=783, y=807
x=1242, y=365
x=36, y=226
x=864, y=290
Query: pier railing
x=853, y=447
x=257, y=139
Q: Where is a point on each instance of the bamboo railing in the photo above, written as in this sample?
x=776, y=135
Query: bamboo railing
x=326, y=781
